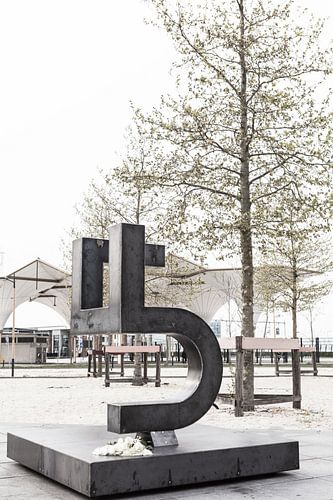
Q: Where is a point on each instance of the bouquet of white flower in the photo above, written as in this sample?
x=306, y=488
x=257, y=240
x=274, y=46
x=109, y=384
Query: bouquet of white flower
x=128, y=447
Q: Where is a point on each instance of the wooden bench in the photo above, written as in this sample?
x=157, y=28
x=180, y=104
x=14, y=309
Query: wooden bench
x=301, y=350
x=95, y=362
x=125, y=349
x=241, y=344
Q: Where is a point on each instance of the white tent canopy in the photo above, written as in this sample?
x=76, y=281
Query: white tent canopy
x=37, y=281
x=202, y=290
x=197, y=288
x=180, y=284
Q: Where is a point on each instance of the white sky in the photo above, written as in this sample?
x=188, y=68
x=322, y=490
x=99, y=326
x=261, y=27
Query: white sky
x=68, y=71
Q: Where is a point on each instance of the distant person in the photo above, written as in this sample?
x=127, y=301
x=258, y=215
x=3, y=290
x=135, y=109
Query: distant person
x=184, y=356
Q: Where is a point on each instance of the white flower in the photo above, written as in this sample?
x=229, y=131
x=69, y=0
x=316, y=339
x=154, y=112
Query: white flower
x=119, y=447
x=128, y=447
x=146, y=452
x=129, y=441
x=104, y=450
x=138, y=446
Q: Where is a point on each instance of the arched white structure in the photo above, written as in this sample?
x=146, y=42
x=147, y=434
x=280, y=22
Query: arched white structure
x=200, y=289
x=180, y=284
x=37, y=281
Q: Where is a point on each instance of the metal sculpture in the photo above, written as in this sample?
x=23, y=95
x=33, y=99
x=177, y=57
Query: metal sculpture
x=127, y=255
x=204, y=453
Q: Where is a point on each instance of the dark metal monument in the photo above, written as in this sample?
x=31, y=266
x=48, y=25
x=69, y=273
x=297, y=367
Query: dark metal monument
x=196, y=453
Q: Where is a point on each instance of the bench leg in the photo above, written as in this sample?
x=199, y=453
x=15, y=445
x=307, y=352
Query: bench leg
x=145, y=367
x=314, y=364
x=239, y=378
x=296, y=369
x=89, y=365
x=276, y=360
x=100, y=365
x=122, y=369
x=94, y=366
x=158, y=370
x=107, y=370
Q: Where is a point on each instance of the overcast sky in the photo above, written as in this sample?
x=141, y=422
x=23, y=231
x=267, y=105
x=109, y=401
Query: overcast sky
x=68, y=71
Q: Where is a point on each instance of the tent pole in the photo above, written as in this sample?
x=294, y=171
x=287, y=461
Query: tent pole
x=13, y=328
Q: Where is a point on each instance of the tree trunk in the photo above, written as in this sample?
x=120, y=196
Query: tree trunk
x=247, y=318
x=245, y=229
x=137, y=375
x=294, y=318
x=294, y=300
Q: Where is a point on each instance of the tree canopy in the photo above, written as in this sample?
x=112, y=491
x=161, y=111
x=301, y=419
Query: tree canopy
x=246, y=122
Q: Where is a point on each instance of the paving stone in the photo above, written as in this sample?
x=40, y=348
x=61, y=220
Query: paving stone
x=316, y=451
x=328, y=478
x=316, y=467
x=3, y=454
x=307, y=489
x=34, y=487
x=13, y=470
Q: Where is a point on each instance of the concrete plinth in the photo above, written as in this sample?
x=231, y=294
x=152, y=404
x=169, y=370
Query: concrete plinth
x=204, y=454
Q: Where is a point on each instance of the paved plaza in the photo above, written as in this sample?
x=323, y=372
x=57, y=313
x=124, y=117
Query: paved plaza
x=314, y=480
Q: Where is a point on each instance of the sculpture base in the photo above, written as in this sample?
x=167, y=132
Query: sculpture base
x=64, y=453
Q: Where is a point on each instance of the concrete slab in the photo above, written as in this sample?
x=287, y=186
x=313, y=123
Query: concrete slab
x=204, y=454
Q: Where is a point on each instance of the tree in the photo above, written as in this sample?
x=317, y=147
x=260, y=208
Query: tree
x=245, y=123
x=176, y=285
x=266, y=291
x=110, y=199
x=296, y=257
x=230, y=290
